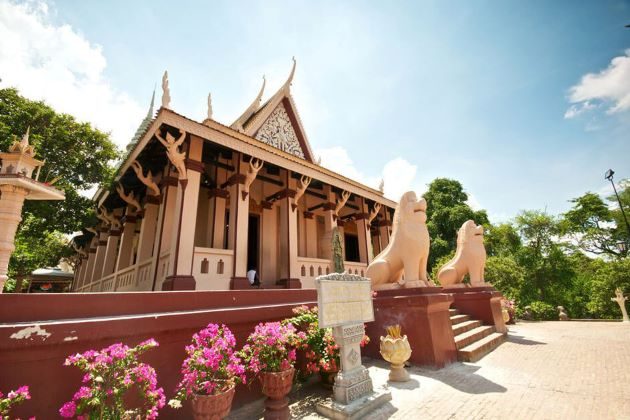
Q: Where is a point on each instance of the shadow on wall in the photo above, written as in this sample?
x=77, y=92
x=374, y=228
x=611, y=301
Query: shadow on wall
x=463, y=378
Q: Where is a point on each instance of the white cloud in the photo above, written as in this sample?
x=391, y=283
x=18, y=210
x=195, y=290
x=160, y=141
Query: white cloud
x=57, y=64
x=398, y=174
x=611, y=85
x=473, y=202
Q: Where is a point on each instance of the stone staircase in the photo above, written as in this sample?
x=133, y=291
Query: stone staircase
x=473, y=339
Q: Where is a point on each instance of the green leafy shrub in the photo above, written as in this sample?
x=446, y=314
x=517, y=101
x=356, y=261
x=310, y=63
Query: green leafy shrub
x=542, y=311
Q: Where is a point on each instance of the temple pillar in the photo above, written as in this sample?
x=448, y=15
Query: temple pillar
x=125, y=250
x=311, y=234
x=383, y=229
x=289, y=270
x=101, y=247
x=239, y=225
x=330, y=222
x=11, y=202
x=148, y=228
x=111, y=253
x=218, y=231
x=89, y=268
x=363, y=233
x=168, y=212
x=182, y=247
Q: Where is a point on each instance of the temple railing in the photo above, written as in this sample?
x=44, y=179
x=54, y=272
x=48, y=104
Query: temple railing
x=212, y=268
x=107, y=283
x=162, y=269
x=357, y=268
x=311, y=268
x=126, y=279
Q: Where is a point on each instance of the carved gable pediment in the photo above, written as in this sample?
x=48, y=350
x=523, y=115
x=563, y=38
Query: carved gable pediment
x=278, y=131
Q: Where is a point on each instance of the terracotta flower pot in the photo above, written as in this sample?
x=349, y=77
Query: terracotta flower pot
x=212, y=407
x=276, y=386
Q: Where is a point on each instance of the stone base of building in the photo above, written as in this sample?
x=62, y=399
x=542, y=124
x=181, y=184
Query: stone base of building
x=290, y=283
x=240, y=283
x=482, y=303
x=179, y=283
x=356, y=409
x=423, y=314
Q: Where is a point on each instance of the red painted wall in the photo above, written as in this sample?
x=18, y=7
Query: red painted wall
x=72, y=323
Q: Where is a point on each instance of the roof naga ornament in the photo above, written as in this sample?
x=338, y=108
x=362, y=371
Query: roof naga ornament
x=128, y=198
x=253, y=107
x=254, y=166
x=304, y=183
x=146, y=180
x=79, y=251
x=166, y=91
x=176, y=157
x=345, y=195
x=373, y=213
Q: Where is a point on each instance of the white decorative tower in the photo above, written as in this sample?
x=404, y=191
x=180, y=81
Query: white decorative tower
x=16, y=185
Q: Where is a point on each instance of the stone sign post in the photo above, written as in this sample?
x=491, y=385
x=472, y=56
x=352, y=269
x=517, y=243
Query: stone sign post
x=345, y=303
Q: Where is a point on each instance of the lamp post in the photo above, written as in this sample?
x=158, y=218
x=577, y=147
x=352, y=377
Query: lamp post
x=609, y=176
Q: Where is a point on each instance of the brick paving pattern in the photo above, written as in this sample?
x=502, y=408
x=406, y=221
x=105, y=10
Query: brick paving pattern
x=546, y=370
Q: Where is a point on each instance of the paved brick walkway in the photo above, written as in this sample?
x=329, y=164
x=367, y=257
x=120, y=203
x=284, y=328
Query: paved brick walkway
x=547, y=370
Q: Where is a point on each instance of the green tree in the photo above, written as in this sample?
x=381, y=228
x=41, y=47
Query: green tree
x=620, y=232
x=590, y=225
x=606, y=278
x=447, y=210
x=77, y=157
x=506, y=275
x=502, y=240
x=547, y=267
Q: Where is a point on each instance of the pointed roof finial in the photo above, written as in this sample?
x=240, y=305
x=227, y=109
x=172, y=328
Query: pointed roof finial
x=209, y=106
x=238, y=124
x=166, y=92
x=150, y=113
x=24, y=141
x=287, y=84
x=381, y=186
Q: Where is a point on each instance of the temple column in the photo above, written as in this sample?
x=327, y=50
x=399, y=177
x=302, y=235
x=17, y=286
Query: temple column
x=111, y=253
x=325, y=242
x=220, y=197
x=125, y=250
x=363, y=233
x=289, y=273
x=11, y=202
x=168, y=211
x=89, y=268
x=383, y=228
x=311, y=234
x=182, y=247
x=97, y=270
x=148, y=228
x=78, y=273
x=239, y=225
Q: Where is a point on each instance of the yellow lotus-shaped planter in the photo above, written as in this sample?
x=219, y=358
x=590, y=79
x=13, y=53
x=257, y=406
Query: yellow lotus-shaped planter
x=396, y=351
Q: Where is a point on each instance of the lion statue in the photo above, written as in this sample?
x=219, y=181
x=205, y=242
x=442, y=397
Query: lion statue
x=470, y=257
x=408, y=249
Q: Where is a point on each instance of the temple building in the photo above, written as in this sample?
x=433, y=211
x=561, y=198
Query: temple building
x=195, y=205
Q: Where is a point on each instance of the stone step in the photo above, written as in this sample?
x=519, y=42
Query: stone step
x=458, y=319
x=469, y=337
x=453, y=311
x=478, y=349
x=465, y=326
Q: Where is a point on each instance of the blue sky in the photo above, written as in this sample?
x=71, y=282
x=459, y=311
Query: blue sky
x=526, y=103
